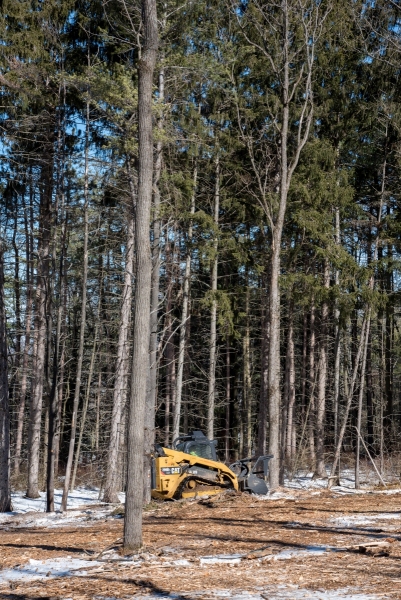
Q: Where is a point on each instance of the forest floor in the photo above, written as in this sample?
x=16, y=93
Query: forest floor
x=298, y=543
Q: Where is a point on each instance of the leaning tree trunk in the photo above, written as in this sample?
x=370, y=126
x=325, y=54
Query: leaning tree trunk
x=213, y=316
x=140, y=353
x=40, y=333
x=112, y=471
x=5, y=493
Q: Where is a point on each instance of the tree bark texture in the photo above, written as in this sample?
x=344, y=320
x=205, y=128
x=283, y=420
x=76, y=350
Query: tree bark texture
x=184, y=317
x=40, y=332
x=263, y=396
x=140, y=357
x=213, y=315
x=5, y=492
x=119, y=391
x=26, y=354
x=321, y=392
x=154, y=310
x=290, y=391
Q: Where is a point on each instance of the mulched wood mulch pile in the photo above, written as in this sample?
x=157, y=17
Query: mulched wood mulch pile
x=364, y=558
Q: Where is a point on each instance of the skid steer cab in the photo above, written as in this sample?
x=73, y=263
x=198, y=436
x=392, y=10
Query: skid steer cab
x=191, y=468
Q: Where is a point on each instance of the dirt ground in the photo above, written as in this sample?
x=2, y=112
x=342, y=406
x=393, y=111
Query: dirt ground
x=237, y=524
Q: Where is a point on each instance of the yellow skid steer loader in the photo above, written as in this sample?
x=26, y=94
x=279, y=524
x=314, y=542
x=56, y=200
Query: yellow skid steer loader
x=191, y=469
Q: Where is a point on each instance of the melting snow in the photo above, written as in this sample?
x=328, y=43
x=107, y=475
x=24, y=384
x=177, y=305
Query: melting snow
x=55, y=567
x=78, y=498
x=363, y=519
x=227, y=559
x=294, y=553
x=281, y=592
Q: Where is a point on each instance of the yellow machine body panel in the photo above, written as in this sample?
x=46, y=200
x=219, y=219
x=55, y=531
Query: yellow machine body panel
x=181, y=475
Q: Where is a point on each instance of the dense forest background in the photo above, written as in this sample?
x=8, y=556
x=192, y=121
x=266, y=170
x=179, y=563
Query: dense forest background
x=275, y=231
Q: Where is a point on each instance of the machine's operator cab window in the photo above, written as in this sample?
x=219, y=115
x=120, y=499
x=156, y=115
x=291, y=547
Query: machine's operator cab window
x=197, y=444
x=197, y=449
x=202, y=450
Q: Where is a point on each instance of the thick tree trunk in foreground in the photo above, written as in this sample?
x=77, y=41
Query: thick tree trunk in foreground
x=140, y=354
x=40, y=333
x=5, y=493
x=154, y=312
x=112, y=472
x=213, y=316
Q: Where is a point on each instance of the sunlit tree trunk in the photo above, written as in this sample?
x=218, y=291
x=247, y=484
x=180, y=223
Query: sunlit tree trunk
x=40, y=332
x=184, y=316
x=213, y=315
x=5, y=492
x=320, y=470
x=119, y=393
x=140, y=353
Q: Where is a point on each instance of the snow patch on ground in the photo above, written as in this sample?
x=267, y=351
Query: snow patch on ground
x=303, y=481
x=281, y=592
x=297, y=552
x=363, y=519
x=226, y=559
x=32, y=510
x=55, y=567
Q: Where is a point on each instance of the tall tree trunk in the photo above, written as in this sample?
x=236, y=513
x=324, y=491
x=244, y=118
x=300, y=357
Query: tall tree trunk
x=140, y=354
x=312, y=379
x=154, y=309
x=61, y=382
x=184, y=315
x=169, y=345
x=213, y=315
x=80, y=357
x=360, y=405
x=26, y=352
x=337, y=333
x=369, y=396
x=304, y=361
x=40, y=333
x=54, y=400
x=247, y=392
x=119, y=392
x=321, y=392
x=290, y=374
x=362, y=342
x=85, y=407
x=5, y=492
x=228, y=401
x=263, y=395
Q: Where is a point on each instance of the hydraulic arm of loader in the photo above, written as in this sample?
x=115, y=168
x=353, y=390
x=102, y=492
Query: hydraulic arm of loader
x=178, y=474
